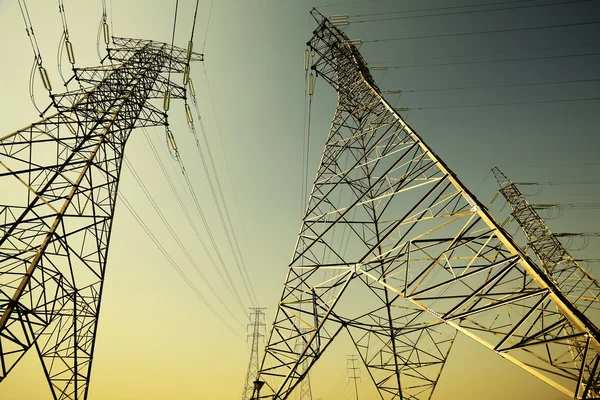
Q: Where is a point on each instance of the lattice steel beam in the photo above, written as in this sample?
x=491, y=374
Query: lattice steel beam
x=395, y=250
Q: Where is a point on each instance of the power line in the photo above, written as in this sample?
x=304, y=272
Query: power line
x=507, y=104
x=207, y=25
x=218, y=181
x=384, y=63
x=174, y=264
x=497, y=61
x=228, y=282
x=243, y=270
x=560, y=183
x=501, y=86
x=349, y=3
x=470, y=11
x=226, y=228
x=177, y=239
x=483, y=32
x=196, y=202
x=549, y=165
x=443, y=8
x=173, y=41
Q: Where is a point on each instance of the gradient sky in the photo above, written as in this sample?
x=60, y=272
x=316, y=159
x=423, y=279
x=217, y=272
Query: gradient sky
x=156, y=339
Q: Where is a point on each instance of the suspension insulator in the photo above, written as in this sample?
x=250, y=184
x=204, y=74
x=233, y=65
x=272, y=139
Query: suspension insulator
x=106, y=34
x=189, y=49
x=167, y=100
x=191, y=87
x=306, y=58
x=494, y=199
x=70, y=52
x=188, y=113
x=339, y=20
x=171, y=140
x=311, y=84
x=45, y=78
x=186, y=74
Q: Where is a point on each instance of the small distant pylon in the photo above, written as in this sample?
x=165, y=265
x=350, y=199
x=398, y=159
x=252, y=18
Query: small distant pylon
x=257, y=317
x=305, y=391
x=352, y=368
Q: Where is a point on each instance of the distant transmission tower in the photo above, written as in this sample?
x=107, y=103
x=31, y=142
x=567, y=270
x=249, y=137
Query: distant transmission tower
x=257, y=317
x=305, y=390
x=395, y=251
x=59, y=180
x=575, y=283
x=352, y=361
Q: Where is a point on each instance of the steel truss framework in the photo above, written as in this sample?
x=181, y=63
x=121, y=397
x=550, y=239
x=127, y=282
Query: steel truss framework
x=394, y=250
x=59, y=180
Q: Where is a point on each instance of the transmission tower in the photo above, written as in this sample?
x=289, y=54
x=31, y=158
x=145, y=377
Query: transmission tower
x=257, y=317
x=305, y=392
x=576, y=283
x=394, y=250
x=353, y=360
x=59, y=180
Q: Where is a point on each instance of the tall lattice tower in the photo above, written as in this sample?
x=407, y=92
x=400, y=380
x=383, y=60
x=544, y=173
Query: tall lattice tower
x=257, y=317
x=59, y=179
x=395, y=251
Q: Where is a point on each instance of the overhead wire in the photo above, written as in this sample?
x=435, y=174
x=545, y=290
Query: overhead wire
x=443, y=8
x=180, y=244
x=469, y=11
x=220, y=188
x=187, y=81
x=232, y=243
x=560, y=183
x=37, y=59
x=103, y=29
x=348, y=3
x=508, y=104
x=229, y=284
x=112, y=28
x=172, y=41
x=487, y=53
x=529, y=28
x=174, y=264
x=65, y=43
x=501, y=86
x=248, y=289
x=207, y=25
x=242, y=269
x=549, y=165
x=227, y=227
x=497, y=61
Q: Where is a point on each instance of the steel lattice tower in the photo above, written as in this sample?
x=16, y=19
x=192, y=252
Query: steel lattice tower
x=304, y=392
x=395, y=250
x=60, y=178
x=257, y=318
x=574, y=281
